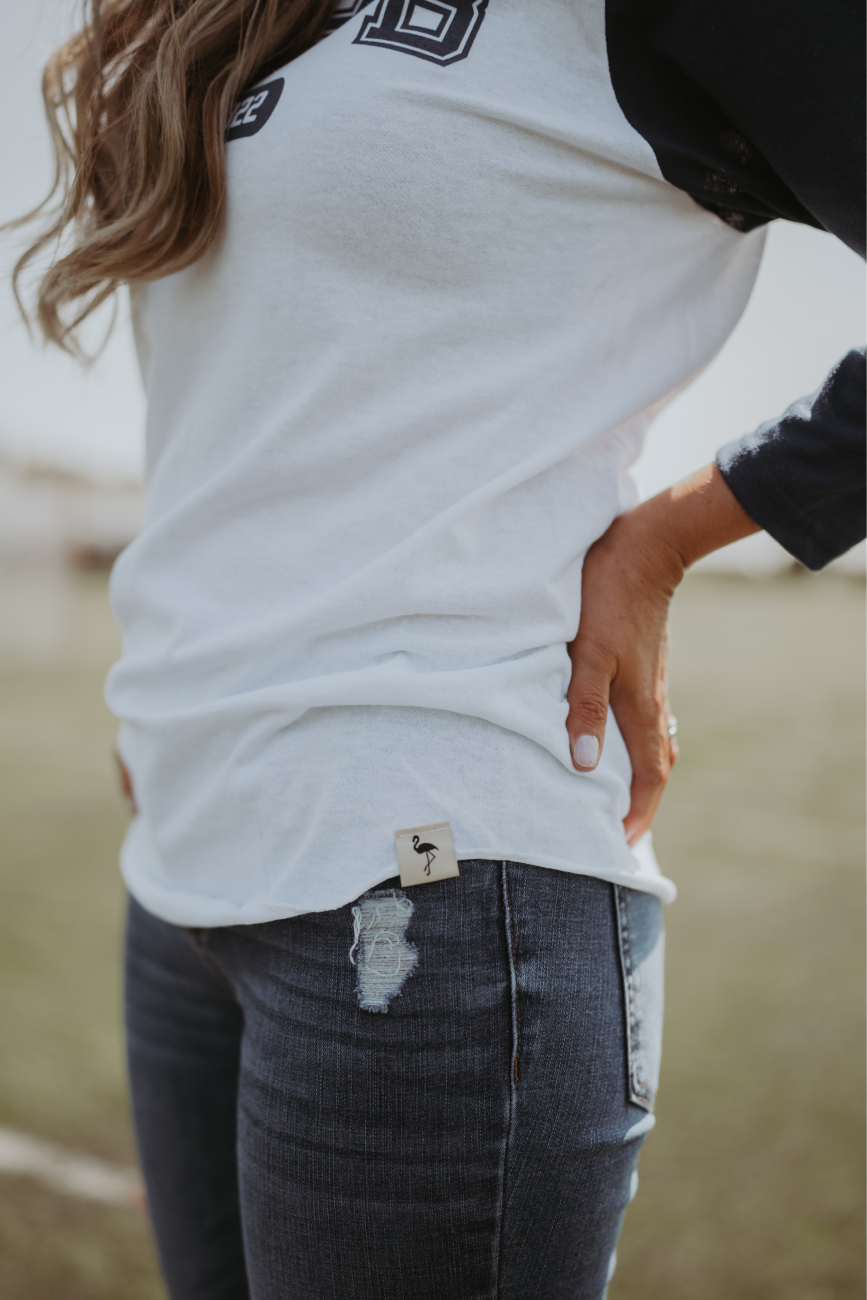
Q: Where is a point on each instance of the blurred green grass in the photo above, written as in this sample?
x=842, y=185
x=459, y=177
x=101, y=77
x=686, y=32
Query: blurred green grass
x=751, y=1185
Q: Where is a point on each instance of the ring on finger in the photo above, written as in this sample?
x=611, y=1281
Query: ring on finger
x=672, y=726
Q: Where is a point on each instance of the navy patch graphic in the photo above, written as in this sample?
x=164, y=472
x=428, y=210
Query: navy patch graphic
x=251, y=114
x=429, y=29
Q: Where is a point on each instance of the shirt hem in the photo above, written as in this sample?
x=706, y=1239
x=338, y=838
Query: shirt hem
x=216, y=913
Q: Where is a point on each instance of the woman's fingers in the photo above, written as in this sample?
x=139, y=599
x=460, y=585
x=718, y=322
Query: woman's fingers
x=652, y=752
x=619, y=656
x=588, y=696
x=126, y=783
x=643, y=719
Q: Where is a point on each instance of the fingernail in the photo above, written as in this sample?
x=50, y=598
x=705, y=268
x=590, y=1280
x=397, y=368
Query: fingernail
x=586, y=751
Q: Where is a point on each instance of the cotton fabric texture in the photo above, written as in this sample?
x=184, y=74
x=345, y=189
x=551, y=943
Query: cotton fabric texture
x=477, y=1137
x=388, y=414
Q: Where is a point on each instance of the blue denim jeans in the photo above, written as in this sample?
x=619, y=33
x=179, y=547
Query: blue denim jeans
x=431, y=1094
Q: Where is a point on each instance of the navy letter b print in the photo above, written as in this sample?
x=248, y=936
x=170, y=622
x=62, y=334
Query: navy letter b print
x=430, y=29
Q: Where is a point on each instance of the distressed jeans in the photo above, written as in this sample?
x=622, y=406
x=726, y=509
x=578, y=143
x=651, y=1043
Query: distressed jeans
x=436, y=1093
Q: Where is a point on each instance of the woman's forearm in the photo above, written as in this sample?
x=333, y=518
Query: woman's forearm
x=685, y=522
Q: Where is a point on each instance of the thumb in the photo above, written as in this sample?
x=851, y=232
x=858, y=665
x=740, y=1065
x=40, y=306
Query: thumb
x=587, y=697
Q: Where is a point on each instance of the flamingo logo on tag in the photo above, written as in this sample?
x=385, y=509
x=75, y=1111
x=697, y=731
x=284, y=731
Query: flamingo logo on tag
x=426, y=853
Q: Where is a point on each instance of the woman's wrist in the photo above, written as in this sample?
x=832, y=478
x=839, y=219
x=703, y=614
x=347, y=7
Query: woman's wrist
x=696, y=516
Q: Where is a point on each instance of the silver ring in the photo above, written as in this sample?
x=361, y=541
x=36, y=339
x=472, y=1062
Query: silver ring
x=672, y=725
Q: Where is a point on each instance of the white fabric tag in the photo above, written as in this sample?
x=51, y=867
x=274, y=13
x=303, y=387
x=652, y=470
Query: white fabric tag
x=426, y=853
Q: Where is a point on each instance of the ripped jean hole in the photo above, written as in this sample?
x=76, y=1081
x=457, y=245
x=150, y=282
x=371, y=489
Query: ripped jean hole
x=385, y=959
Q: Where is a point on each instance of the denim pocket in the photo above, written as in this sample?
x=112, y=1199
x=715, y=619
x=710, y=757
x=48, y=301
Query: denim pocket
x=641, y=936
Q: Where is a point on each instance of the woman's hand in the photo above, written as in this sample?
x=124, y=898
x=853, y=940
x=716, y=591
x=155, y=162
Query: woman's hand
x=619, y=654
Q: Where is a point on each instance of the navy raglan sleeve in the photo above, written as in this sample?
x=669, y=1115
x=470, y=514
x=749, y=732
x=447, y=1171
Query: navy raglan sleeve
x=755, y=108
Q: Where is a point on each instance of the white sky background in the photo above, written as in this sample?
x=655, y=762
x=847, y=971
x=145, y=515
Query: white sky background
x=807, y=309
x=51, y=411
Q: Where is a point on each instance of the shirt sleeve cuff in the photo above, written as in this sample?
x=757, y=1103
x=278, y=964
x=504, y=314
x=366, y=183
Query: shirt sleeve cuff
x=745, y=469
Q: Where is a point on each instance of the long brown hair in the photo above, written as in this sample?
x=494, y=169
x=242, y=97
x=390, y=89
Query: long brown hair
x=138, y=102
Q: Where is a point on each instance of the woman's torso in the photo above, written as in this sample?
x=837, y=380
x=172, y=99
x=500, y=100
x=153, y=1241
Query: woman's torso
x=389, y=412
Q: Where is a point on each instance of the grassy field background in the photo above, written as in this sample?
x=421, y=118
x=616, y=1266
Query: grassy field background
x=751, y=1186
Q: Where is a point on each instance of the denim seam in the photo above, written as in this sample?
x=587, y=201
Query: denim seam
x=205, y=957
x=508, y=916
x=513, y=966
x=640, y=1092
